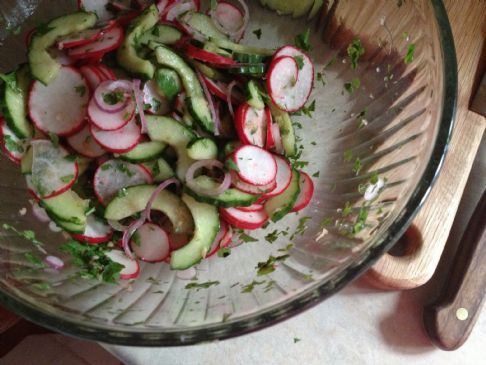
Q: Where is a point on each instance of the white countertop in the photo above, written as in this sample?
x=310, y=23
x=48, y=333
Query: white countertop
x=360, y=325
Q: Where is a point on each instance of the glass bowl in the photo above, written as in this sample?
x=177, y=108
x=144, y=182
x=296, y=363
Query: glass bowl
x=390, y=134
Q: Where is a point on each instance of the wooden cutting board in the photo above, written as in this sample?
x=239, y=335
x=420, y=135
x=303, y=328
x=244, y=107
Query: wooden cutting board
x=427, y=237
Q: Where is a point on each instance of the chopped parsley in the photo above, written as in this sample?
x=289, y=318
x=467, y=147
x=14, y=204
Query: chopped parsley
x=348, y=155
x=359, y=225
x=54, y=139
x=307, y=110
x=347, y=210
x=80, y=90
x=267, y=267
x=225, y=317
x=353, y=85
x=374, y=177
x=224, y=252
x=410, y=53
x=326, y=222
x=29, y=256
x=247, y=238
x=124, y=169
x=71, y=158
x=12, y=145
x=286, y=248
x=316, y=174
x=67, y=179
x=300, y=227
x=105, y=166
x=136, y=238
x=308, y=277
x=113, y=97
x=43, y=286
x=362, y=117
x=299, y=60
x=302, y=41
x=249, y=288
x=273, y=236
x=122, y=192
x=199, y=286
x=231, y=165
x=296, y=339
x=357, y=166
x=27, y=234
x=355, y=51
x=92, y=261
x=320, y=76
x=10, y=80
x=258, y=33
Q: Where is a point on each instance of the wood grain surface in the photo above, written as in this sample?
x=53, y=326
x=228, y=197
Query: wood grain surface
x=435, y=219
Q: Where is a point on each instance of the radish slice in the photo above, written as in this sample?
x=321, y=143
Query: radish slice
x=158, y=104
x=96, y=231
x=13, y=146
x=251, y=125
x=84, y=144
x=221, y=90
x=217, y=241
x=293, y=98
x=277, y=138
x=60, y=107
x=107, y=72
x=284, y=176
x=229, y=16
x=114, y=175
x=30, y=188
x=270, y=140
x=108, y=42
x=97, y=6
x=120, y=141
x=306, y=192
x=177, y=8
x=80, y=39
x=244, y=220
x=131, y=267
x=150, y=243
x=255, y=165
x=252, y=208
x=91, y=76
x=209, y=57
x=108, y=121
x=227, y=238
x=249, y=188
x=60, y=57
x=52, y=172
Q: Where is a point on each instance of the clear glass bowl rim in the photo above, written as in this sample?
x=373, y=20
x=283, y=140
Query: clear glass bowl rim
x=307, y=299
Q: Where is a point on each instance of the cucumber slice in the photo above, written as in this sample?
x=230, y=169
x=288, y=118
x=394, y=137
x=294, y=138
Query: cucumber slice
x=199, y=109
x=211, y=47
x=42, y=66
x=160, y=169
x=162, y=33
x=286, y=129
x=14, y=103
x=26, y=162
x=68, y=210
x=202, y=24
x=240, y=48
x=282, y=204
x=168, y=83
x=230, y=198
x=206, y=227
x=250, y=58
x=127, y=55
x=315, y=8
x=209, y=71
x=256, y=70
x=254, y=96
x=202, y=149
x=136, y=198
x=144, y=151
x=170, y=131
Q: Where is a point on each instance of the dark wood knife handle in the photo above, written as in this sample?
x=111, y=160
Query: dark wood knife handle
x=450, y=319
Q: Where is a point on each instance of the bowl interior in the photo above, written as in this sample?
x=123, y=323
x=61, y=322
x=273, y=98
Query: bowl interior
x=386, y=132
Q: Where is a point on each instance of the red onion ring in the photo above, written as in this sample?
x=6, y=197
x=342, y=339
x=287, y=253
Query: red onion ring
x=209, y=98
x=161, y=5
x=156, y=192
x=225, y=184
x=139, y=101
x=235, y=35
x=54, y=262
x=111, y=86
x=175, y=10
x=229, y=91
x=117, y=226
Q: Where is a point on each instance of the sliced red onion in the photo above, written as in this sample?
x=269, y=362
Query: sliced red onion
x=139, y=101
x=110, y=86
x=54, y=262
x=156, y=192
x=40, y=213
x=225, y=184
x=209, y=98
x=217, y=240
x=229, y=91
x=177, y=9
x=117, y=226
x=235, y=35
x=161, y=5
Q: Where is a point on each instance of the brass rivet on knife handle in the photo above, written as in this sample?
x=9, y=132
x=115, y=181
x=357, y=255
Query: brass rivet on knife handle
x=450, y=319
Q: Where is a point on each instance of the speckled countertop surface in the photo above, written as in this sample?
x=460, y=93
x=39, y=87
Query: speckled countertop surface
x=360, y=325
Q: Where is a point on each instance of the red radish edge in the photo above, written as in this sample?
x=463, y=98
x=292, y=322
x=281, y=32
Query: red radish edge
x=252, y=168
x=244, y=220
x=306, y=192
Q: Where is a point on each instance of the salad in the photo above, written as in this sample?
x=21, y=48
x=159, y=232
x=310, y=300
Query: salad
x=152, y=132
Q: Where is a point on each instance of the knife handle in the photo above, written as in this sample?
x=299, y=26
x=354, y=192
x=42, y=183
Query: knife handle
x=450, y=319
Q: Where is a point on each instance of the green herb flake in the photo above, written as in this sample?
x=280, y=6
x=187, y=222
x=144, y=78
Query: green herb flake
x=320, y=76
x=316, y=174
x=286, y=248
x=199, y=286
x=54, y=139
x=122, y=192
x=348, y=155
x=136, y=239
x=296, y=339
x=347, y=210
x=410, y=53
x=267, y=267
x=308, y=110
x=250, y=287
x=123, y=168
x=67, y=179
x=257, y=33
x=224, y=252
x=105, y=167
x=12, y=145
x=42, y=286
x=326, y=222
x=357, y=166
x=10, y=80
x=29, y=256
x=231, y=165
x=247, y=238
x=353, y=85
x=299, y=60
x=355, y=51
x=226, y=317
x=302, y=41
x=308, y=277
x=80, y=90
x=71, y=158
x=27, y=234
x=301, y=227
x=374, y=177
x=113, y=97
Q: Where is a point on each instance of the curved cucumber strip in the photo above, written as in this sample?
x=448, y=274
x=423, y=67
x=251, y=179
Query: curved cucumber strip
x=206, y=227
x=230, y=198
x=42, y=66
x=135, y=199
x=160, y=169
x=14, y=103
x=161, y=33
x=145, y=151
x=127, y=53
x=26, y=162
x=68, y=210
x=203, y=24
x=279, y=206
x=202, y=148
x=176, y=135
x=240, y=48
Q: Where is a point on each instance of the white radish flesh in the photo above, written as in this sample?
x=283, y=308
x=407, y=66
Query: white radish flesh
x=91, y=76
x=110, y=121
x=151, y=243
x=131, y=267
x=107, y=43
x=96, y=231
x=229, y=16
x=283, y=77
x=120, y=141
x=284, y=176
x=60, y=107
x=84, y=144
x=96, y=6
x=256, y=166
